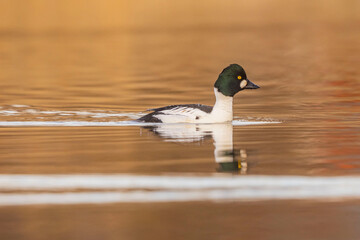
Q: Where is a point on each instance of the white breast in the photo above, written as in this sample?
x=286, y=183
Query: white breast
x=222, y=112
x=223, y=108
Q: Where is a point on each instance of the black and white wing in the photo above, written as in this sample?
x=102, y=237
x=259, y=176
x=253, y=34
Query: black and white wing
x=177, y=113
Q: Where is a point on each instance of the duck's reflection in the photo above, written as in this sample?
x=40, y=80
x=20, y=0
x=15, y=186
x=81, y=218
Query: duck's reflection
x=228, y=158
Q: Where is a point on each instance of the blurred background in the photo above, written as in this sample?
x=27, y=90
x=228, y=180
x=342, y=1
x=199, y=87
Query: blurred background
x=118, y=54
x=102, y=61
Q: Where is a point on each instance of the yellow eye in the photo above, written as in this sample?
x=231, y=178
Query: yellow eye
x=239, y=77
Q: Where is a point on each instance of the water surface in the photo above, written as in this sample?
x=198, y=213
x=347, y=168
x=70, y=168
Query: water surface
x=72, y=80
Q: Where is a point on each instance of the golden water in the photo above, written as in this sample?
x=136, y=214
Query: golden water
x=105, y=62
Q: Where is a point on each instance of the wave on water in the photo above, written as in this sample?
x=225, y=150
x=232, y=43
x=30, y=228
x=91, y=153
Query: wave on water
x=18, y=110
x=23, y=115
x=134, y=188
x=102, y=124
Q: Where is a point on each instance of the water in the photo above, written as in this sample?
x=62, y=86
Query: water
x=75, y=165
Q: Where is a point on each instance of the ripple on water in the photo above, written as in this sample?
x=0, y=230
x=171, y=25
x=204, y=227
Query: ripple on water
x=132, y=188
x=23, y=115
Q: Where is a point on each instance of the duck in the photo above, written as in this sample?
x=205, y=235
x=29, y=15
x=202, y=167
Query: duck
x=231, y=80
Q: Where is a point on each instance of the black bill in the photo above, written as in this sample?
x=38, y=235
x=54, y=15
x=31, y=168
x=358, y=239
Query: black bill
x=251, y=85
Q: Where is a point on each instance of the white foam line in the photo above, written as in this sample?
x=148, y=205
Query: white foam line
x=99, y=124
x=174, y=196
x=65, y=123
x=68, y=113
x=244, y=123
x=131, y=188
x=52, y=182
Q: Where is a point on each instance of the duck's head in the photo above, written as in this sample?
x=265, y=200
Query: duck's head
x=232, y=80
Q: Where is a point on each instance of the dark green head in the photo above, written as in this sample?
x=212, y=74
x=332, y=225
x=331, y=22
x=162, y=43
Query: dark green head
x=232, y=80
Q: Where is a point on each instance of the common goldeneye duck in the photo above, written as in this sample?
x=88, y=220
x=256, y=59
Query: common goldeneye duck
x=230, y=81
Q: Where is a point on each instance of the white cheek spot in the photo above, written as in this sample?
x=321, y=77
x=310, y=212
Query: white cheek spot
x=243, y=83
